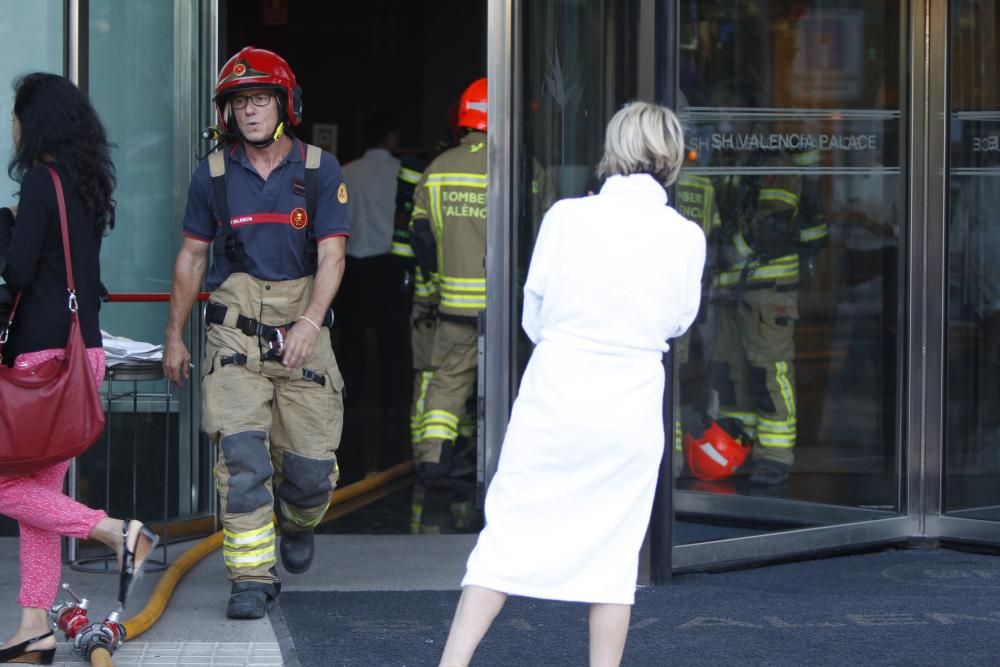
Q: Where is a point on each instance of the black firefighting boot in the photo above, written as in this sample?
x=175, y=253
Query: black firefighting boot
x=252, y=599
x=767, y=472
x=297, y=544
x=297, y=549
x=437, y=474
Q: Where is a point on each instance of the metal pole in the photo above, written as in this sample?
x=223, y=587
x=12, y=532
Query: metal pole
x=661, y=530
x=72, y=59
x=499, y=276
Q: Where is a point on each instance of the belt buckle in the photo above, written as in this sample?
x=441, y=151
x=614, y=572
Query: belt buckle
x=277, y=343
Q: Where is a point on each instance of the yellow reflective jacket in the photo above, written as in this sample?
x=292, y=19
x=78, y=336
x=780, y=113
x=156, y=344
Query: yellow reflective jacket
x=746, y=205
x=696, y=201
x=410, y=171
x=451, y=194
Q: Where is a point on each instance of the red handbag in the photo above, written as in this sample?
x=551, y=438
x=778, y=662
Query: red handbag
x=51, y=412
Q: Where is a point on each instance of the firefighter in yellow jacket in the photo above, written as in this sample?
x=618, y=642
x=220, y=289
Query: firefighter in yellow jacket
x=448, y=235
x=758, y=248
x=424, y=296
x=423, y=317
x=755, y=297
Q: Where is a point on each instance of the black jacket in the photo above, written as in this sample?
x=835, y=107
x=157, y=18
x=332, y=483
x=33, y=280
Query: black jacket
x=31, y=262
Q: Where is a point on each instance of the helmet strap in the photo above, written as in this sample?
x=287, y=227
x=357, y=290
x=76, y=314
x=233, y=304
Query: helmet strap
x=264, y=143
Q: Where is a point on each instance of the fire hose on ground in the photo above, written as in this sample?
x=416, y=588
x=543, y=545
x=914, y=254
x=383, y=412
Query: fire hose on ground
x=98, y=641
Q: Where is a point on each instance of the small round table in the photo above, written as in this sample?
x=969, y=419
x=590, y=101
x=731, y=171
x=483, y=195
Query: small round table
x=132, y=373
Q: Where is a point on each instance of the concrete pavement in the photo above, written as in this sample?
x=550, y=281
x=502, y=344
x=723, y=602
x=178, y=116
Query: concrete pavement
x=194, y=629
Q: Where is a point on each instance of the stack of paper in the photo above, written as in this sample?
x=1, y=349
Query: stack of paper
x=118, y=350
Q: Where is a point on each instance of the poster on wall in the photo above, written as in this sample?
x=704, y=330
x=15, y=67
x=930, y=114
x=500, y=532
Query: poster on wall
x=275, y=13
x=828, y=56
x=324, y=135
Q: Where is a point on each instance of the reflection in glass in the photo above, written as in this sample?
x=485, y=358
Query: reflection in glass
x=792, y=113
x=792, y=116
x=578, y=66
x=146, y=110
x=972, y=463
x=31, y=39
x=148, y=102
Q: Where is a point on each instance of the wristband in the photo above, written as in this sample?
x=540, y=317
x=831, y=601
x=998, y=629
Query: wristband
x=303, y=317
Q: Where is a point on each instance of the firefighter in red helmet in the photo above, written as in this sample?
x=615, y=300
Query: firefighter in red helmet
x=261, y=70
x=448, y=235
x=266, y=219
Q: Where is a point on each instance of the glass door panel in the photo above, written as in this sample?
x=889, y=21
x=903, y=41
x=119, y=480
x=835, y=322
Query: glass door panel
x=153, y=103
x=794, y=119
x=31, y=39
x=972, y=455
x=577, y=66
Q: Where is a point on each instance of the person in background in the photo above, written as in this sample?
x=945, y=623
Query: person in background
x=420, y=289
x=372, y=294
x=755, y=291
x=448, y=236
x=568, y=508
x=54, y=126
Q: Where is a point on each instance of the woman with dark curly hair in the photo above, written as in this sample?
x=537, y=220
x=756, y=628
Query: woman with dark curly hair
x=54, y=126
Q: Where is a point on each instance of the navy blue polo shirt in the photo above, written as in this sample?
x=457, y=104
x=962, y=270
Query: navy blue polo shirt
x=267, y=216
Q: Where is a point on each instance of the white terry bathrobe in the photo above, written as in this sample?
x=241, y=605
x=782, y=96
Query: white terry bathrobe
x=612, y=277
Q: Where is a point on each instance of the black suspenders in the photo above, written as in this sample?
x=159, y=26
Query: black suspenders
x=227, y=242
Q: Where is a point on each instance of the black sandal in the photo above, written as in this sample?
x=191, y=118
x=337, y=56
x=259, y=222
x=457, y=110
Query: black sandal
x=19, y=653
x=130, y=571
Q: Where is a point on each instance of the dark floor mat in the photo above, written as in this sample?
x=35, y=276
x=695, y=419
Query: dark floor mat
x=412, y=511
x=891, y=608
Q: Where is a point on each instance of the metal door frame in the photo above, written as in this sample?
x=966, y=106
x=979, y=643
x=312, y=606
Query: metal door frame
x=499, y=357
x=921, y=405
x=935, y=523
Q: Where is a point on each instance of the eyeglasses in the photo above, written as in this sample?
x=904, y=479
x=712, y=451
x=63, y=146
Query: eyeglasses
x=258, y=99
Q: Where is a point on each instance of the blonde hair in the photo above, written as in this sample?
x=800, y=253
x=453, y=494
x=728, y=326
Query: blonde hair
x=643, y=138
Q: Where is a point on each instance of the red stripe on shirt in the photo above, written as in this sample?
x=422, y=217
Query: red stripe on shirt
x=259, y=219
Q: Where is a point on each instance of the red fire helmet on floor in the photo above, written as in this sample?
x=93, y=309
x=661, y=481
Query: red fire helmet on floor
x=717, y=453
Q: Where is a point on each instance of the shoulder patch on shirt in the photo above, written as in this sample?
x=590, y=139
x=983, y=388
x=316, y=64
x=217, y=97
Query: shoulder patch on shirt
x=342, y=193
x=298, y=218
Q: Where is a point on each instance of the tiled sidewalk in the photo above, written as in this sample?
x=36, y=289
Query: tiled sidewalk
x=189, y=654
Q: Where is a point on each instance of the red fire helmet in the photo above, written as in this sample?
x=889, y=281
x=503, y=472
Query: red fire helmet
x=715, y=454
x=472, y=106
x=258, y=68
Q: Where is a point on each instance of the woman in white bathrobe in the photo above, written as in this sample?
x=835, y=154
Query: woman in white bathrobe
x=612, y=278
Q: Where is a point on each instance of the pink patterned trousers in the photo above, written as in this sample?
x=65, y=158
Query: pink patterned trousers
x=43, y=512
